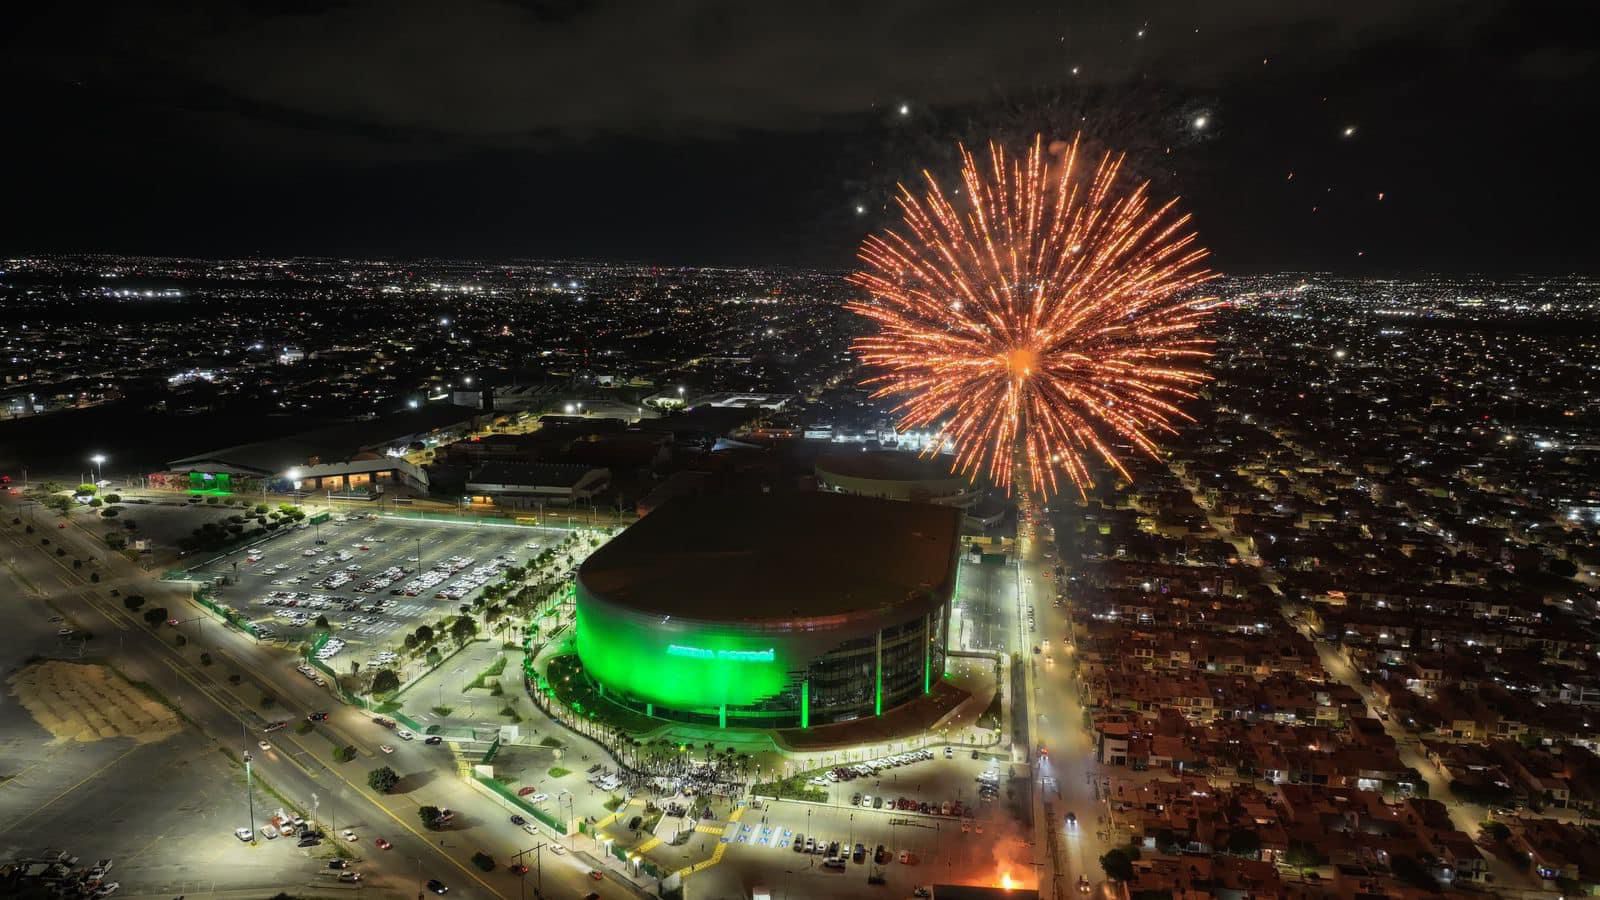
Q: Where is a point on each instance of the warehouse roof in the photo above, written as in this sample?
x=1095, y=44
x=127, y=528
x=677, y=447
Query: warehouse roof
x=773, y=556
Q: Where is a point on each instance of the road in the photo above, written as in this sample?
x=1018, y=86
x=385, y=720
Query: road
x=298, y=766
x=1065, y=768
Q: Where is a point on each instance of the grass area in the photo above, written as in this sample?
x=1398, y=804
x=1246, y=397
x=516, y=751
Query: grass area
x=794, y=788
x=558, y=772
x=573, y=688
x=551, y=742
x=650, y=822
x=443, y=711
x=387, y=707
x=612, y=803
x=510, y=713
x=488, y=678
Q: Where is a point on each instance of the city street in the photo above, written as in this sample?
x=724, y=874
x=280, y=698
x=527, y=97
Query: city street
x=1066, y=770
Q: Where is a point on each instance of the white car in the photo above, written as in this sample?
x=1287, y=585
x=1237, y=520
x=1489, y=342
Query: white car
x=243, y=834
x=386, y=748
x=539, y=798
x=406, y=735
x=263, y=745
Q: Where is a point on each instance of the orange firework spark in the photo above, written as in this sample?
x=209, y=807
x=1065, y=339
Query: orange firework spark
x=1050, y=315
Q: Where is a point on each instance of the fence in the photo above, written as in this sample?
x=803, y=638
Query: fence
x=201, y=596
x=333, y=677
x=505, y=793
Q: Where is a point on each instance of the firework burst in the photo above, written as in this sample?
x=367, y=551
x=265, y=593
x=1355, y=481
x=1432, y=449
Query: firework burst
x=1040, y=315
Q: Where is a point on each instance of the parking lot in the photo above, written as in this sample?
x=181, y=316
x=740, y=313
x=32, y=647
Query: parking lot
x=917, y=850
x=363, y=576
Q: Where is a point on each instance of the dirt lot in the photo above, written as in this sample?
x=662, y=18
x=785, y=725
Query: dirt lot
x=78, y=702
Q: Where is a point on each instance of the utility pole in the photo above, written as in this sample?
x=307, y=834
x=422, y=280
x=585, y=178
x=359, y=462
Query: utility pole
x=249, y=796
x=538, y=861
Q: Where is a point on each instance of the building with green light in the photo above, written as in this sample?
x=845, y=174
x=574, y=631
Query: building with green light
x=770, y=611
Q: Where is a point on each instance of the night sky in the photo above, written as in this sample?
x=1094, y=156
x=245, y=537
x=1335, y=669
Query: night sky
x=1420, y=136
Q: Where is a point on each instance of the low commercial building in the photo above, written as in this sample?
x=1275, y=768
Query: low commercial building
x=526, y=486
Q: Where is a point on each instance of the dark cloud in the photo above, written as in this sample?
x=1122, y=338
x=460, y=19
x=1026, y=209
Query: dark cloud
x=482, y=73
x=700, y=131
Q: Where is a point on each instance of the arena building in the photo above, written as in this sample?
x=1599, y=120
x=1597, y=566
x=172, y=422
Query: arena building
x=894, y=475
x=770, y=611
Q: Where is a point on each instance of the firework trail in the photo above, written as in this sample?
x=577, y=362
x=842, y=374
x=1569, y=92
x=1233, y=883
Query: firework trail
x=1038, y=313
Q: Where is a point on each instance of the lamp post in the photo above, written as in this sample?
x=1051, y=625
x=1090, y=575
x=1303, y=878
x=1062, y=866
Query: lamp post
x=250, y=798
x=99, y=460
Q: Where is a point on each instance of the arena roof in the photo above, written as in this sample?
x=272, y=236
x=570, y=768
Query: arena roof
x=887, y=465
x=744, y=557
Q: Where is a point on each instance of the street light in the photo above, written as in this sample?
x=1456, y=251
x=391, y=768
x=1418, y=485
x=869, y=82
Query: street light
x=98, y=459
x=249, y=797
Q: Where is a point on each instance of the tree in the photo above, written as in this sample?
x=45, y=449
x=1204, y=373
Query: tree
x=86, y=489
x=429, y=816
x=382, y=779
x=156, y=615
x=96, y=502
x=1563, y=567
x=1244, y=843
x=385, y=681
x=205, y=659
x=1302, y=855
x=1412, y=872
x=322, y=621
x=463, y=629
x=424, y=634
x=133, y=601
x=1117, y=864
x=113, y=498
x=433, y=656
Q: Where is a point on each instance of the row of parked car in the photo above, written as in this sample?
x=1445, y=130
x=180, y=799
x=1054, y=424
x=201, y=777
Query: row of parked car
x=865, y=769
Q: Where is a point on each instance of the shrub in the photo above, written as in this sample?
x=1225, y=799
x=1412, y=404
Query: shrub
x=205, y=659
x=382, y=779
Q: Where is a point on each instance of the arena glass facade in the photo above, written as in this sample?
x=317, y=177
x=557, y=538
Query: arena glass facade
x=767, y=675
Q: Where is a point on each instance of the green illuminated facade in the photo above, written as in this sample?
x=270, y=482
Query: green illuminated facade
x=753, y=675
x=831, y=644
x=211, y=482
